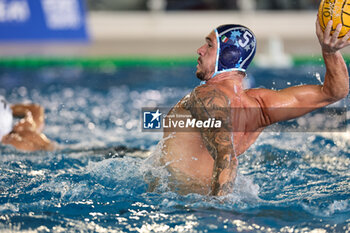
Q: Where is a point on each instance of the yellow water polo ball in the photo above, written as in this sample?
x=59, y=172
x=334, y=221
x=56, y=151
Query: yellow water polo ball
x=336, y=10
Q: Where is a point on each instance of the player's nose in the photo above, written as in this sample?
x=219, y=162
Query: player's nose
x=200, y=50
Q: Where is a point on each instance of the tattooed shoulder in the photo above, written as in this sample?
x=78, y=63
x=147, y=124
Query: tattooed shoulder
x=209, y=101
x=209, y=97
x=186, y=101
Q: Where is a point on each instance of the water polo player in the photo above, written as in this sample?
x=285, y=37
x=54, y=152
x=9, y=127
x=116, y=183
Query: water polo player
x=26, y=134
x=204, y=160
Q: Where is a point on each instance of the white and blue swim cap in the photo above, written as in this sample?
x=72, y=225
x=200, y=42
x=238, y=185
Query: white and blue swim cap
x=236, y=48
x=6, y=117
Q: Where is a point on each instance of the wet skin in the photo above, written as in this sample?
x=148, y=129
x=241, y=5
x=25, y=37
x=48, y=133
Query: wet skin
x=205, y=160
x=27, y=135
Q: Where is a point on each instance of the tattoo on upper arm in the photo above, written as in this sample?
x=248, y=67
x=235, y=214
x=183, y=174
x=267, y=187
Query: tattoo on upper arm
x=213, y=103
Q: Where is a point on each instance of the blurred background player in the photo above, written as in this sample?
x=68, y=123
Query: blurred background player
x=26, y=134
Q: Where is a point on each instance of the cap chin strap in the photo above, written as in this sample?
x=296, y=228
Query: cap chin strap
x=220, y=72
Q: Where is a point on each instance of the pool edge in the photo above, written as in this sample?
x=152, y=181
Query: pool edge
x=123, y=61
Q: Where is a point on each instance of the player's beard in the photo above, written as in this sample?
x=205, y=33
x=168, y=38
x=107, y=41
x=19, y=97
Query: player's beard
x=204, y=73
x=200, y=75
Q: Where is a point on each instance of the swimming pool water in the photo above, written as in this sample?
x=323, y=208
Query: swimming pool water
x=95, y=182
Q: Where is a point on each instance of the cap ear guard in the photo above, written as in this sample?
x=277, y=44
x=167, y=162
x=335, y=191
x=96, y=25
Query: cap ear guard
x=236, y=48
x=228, y=56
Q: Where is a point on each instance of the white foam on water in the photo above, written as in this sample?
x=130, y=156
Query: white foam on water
x=8, y=207
x=154, y=172
x=54, y=186
x=245, y=190
x=338, y=206
x=331, y=209
x=113, y=169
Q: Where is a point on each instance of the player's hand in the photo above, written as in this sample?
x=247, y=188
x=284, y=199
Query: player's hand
x=25, y=124
x=331, y=43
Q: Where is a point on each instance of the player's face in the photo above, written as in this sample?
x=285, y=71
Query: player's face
x=207, y=58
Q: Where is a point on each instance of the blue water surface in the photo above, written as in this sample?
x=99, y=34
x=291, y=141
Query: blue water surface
x=95, y=182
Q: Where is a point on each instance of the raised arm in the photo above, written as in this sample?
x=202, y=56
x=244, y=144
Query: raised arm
x=296, y=101
x=26, y=134
x=336, y=84
x=212, y=103
x=33, y=116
